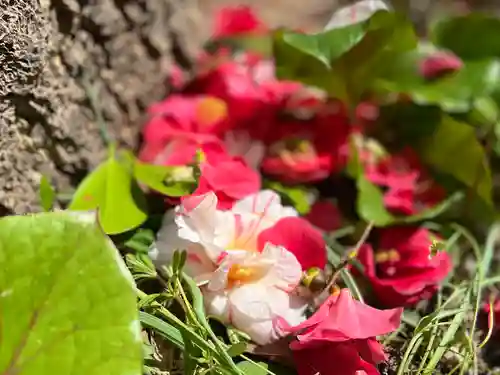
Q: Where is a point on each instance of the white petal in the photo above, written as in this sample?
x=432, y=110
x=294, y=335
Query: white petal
x=196, y=217
x=241, y=144
x=167, y=240
x=266, y=203
x=217, y=304
x=355, y=13
x=255, y=309
x=287, y=271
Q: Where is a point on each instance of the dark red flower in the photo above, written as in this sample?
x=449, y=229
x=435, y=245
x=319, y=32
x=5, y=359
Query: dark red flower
x=236, y=20
x=440, y=63
x=402, y=271
x=340, y=338
x=306, y=151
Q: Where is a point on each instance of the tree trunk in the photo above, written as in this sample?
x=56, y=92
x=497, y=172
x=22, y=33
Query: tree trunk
x=59, y=60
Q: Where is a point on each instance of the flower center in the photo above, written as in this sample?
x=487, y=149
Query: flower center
x=210, y=111
x=383, y=256
x=239, y=274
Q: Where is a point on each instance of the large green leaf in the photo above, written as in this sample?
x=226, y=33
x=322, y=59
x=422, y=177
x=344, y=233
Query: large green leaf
x=343, y=61
x=454, y=149
x=471, y=37
x=111, y=189
x=67, y=300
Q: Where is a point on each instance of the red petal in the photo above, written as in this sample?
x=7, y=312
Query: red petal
x=300, y=238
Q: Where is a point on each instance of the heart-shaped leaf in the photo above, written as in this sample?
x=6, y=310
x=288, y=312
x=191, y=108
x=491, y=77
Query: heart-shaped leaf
x=111, y=189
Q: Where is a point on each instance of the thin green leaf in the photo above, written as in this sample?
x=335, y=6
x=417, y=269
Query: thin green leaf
x=253, y=368
x=168, y=331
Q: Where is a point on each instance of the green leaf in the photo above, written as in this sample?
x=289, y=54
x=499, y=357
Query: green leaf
x=237, y=349
x=471, y=37
x=173, y=181
x=454, y=149
x=253, y=368
x=433, y=212
x=47, y=194
x=370, y=203
x=297, y=196
x=67, y=300
x=343, y=61
x=455, y=92
x=168, y=331
x=111, y=189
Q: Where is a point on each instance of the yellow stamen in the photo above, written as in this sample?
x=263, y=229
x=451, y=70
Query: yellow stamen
x=238, y=275
x=211, y=110
x=383, y=256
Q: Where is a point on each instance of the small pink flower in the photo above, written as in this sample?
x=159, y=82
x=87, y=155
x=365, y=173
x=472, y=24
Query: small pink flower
x=342, y=332
x=440, y=63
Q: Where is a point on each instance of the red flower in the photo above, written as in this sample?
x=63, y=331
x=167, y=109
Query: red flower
x=306, y=151
x=340, y=338
x=402, y=271
x=237, y=20
x=410, y=189
x=440, y=63
x=325, y=216
x=300, y=238
x=231, y=179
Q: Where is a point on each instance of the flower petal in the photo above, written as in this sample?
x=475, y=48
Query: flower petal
x=255, y=309
x=287, y=271
x=300, y=238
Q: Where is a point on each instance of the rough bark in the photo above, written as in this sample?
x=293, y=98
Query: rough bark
x=56, y=56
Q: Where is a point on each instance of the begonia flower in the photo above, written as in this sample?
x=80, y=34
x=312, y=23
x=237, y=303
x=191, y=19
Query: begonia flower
x=306, y=151
x=401, y=270
x=246, y=282
x=341, y=337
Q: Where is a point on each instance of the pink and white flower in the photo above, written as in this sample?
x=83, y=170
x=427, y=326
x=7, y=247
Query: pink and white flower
x=245, y=282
